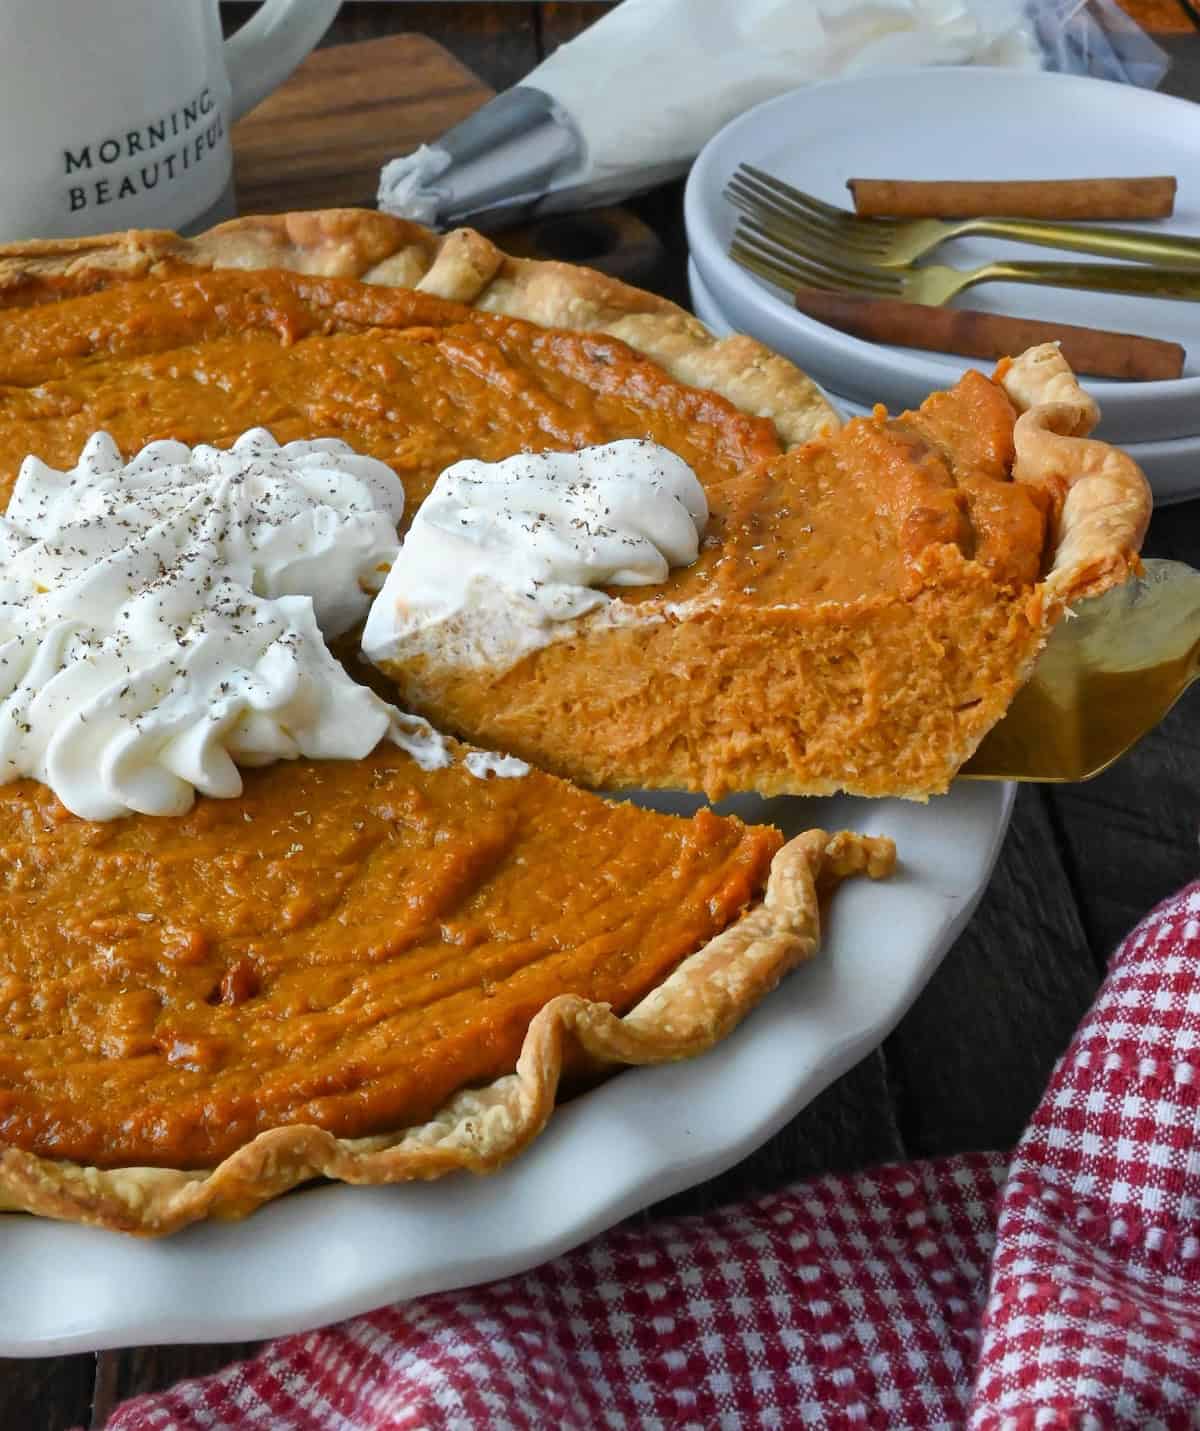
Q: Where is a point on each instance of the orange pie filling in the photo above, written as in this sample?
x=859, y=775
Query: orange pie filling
x=345, y=945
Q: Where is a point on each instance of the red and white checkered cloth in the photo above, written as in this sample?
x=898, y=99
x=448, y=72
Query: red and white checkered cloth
x=1058, y=1289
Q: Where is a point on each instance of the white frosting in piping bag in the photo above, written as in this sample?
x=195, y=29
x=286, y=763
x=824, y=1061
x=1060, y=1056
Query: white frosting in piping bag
x=408, y=183
x=503, y=557
x=164, y=618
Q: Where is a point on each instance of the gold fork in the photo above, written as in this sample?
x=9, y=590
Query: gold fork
x=894, y=243
x=1107, y=676
x=792, y=262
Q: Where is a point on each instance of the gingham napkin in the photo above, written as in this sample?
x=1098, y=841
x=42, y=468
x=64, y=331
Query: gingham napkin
x=1057, y=1289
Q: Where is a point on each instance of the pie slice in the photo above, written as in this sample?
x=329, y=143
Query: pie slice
x=863, y=610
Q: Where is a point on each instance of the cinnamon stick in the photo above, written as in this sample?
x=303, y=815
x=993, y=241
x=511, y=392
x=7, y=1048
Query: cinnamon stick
x=1133, y=198
x=1095, y=351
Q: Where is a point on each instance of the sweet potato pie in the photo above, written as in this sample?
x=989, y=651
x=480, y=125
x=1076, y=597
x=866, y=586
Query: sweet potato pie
x=371, y=970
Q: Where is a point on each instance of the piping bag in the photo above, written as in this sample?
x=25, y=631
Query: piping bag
x=630, y=103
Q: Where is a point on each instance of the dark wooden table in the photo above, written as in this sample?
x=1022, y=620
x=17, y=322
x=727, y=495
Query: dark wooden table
x=1080, y=865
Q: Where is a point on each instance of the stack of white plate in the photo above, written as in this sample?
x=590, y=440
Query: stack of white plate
x=963, y=124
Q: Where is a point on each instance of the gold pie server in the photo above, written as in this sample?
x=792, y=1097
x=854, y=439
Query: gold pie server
x=1109, y=674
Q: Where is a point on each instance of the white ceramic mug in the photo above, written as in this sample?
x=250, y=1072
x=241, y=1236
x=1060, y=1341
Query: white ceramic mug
x=115, y=114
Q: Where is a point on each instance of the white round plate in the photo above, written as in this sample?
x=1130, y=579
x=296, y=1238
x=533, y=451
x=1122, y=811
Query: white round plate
x=945, y=124
x=1172, y=467
x=331, y=1251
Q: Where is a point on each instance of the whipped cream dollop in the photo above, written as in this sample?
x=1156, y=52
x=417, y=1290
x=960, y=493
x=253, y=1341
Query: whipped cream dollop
x=503, y=556
x=162, y=620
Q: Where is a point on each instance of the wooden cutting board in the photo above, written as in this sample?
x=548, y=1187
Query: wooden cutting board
x=319, y=142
